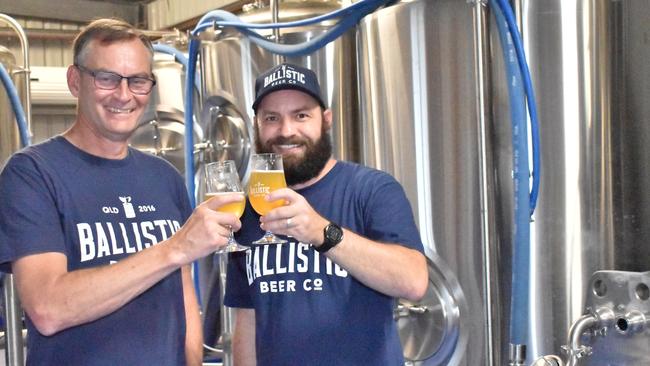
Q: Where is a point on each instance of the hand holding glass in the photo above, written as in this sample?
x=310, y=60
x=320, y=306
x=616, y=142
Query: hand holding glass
x=267, y=175
x=221, y=178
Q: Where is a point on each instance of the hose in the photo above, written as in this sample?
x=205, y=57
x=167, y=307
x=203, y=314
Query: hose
x=16, y=105
x=223, y=18
x=530, y=93
x=519, y=308
x=178, y=56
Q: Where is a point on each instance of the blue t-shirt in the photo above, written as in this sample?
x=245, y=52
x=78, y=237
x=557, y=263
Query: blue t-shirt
x=57, y=198
x=308, y=310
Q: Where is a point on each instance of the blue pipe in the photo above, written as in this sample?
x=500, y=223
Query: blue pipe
x=532, y=106
x=178, y=56
x=519, y=309
x=217, y=17
x=189, y=166
x=358, y=6
x=17, y=106
x=189, y=120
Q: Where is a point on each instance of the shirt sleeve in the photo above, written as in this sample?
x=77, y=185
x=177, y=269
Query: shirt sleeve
x=29, y=217
x=388, y=214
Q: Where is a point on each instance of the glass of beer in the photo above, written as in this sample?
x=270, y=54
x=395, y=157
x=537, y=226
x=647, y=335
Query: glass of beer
x=221, y=178
x=267, y=175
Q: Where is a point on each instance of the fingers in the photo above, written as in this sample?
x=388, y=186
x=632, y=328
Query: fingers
x=212, y=218
x=223, y=199
x=287, y=194
x=296, y=219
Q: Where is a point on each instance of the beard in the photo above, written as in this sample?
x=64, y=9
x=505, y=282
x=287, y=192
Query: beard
x=300, y=169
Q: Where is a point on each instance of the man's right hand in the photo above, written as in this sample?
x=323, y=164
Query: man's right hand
x=206, y=230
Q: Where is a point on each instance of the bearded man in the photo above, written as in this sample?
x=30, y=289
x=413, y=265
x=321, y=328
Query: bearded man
x=325, y=297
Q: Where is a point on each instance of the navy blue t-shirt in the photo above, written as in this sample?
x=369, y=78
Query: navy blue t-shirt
x=308, y=310
x=57, y=198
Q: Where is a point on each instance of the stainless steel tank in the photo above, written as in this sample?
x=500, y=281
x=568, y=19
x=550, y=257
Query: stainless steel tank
x=9, y=135
x=161, y=131
x=418, y=120
x=588, y=60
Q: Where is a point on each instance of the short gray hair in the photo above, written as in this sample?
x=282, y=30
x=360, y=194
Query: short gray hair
x=106, y=31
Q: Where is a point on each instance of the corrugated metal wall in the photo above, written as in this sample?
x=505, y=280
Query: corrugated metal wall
x=50, y=50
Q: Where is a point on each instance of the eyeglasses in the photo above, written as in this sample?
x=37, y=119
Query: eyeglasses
x=107, y=80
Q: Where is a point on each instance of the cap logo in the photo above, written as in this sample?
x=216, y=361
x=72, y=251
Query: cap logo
x=284, y=75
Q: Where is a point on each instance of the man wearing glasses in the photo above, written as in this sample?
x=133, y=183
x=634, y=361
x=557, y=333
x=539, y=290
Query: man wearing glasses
x=98, y=235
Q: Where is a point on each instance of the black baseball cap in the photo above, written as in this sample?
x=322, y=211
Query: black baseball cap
x=287, y=76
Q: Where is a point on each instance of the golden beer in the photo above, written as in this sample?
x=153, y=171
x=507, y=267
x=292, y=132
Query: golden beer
x=235, y=208
x=263, y=182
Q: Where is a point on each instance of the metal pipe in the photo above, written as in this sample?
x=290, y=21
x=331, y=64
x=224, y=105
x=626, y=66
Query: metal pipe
x=13, y=314
x=69, y=35
x=576, y=350
x=226, y=313
x=14, y=355
x=632, y=322
x=275, y=17
x=517, y=354
x=481, y=65
x=25, y=69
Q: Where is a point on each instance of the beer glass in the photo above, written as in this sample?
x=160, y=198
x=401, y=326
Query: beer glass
x=267, y=175
x=221, y=178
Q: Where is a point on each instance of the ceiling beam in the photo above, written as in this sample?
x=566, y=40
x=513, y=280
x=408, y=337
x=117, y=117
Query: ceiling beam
x=82, y=11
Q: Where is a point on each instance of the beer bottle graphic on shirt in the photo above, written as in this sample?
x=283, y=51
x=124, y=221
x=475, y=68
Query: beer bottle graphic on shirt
x=128, y=207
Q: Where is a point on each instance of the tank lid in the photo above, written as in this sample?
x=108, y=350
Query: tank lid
x=431, y=330
x=7, y=58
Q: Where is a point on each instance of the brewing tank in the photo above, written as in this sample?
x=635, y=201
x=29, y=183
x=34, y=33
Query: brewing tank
x=418, y=116
x=161, y=129
x=9, y=133
x=588, y=61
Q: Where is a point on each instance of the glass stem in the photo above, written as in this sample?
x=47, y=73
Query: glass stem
x=231, y=238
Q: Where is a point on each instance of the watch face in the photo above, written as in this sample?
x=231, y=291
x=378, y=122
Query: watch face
x=334, y=233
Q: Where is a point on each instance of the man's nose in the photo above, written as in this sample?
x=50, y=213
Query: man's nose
x=286, y=127
x=123, y=90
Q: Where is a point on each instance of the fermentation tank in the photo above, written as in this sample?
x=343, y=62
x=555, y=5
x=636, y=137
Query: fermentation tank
x=419, y=94
x=418, y=120
x=9, y=135
x=161, y=130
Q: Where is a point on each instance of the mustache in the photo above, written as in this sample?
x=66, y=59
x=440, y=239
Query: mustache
x=281, y=140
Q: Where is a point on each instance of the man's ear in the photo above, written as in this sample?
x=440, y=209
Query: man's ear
x=327, y=118
x=74, y=80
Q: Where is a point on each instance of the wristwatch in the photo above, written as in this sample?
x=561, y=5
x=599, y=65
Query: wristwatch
x=333, y=235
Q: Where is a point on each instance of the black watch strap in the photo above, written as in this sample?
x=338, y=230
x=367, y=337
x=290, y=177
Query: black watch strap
x=333, y=235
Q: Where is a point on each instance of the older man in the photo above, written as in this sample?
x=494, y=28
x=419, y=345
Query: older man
x=99, y=235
